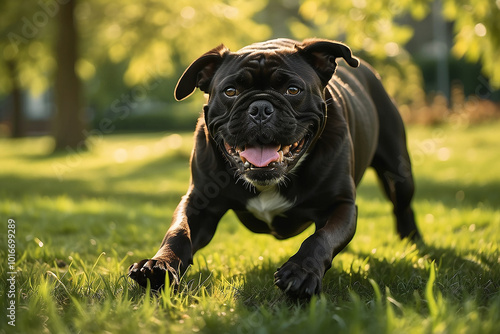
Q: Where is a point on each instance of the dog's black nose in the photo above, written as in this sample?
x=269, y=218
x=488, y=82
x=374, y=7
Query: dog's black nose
x=260, y=111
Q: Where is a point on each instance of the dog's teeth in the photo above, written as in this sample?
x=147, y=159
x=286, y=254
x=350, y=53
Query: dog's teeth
x=281, y=156
x=295, y=145
x=247, y=164
x=285, y=149
x=301, y=144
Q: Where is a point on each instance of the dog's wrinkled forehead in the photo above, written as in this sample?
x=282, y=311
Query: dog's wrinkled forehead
x=311, y=57
x=265, y=57
x=261, y=64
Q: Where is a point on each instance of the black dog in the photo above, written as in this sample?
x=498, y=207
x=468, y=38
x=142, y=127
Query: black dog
x=283, y=141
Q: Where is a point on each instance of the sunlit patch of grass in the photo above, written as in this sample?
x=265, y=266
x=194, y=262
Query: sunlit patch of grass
x=78, y=231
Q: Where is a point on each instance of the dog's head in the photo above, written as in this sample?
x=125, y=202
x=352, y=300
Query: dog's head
x=266, y=102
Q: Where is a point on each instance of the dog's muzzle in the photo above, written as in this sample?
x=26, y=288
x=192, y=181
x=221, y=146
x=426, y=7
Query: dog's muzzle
x=264, y=141
x=263, y=165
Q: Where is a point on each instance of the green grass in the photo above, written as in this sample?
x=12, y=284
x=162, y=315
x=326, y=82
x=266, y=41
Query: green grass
x=83, y=218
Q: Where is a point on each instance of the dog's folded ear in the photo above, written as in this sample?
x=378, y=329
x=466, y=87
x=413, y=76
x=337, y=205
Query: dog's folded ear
x=322, y=55
x=200, y=72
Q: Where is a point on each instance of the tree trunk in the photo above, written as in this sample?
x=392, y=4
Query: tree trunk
x=17, y=123
x=69, y=122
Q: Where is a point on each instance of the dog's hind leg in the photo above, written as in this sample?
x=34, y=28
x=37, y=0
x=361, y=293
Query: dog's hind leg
x=393, y=167
x=398, y=185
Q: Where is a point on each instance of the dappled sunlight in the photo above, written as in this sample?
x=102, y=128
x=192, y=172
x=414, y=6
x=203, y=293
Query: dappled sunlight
x=120, y=155
x=98, y=194
x=164, y=146
x=80, y=234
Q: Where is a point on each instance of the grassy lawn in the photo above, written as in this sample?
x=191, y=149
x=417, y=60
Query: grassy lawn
x=81, y=219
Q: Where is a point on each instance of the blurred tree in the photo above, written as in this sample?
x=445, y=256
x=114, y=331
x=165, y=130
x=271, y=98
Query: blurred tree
x=69, y=124
x=477, y=33
x=370, y=29
x=153, y=38
x=372, y=26
x=29, y=31
x=17, y=119
x=158, y=38
x=24, y=60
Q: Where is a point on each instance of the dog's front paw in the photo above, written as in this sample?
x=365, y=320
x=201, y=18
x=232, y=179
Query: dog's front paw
x=297, y=282
x=155, y=270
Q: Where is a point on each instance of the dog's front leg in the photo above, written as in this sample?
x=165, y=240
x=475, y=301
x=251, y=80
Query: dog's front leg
x=193, y=226
x=301, y=276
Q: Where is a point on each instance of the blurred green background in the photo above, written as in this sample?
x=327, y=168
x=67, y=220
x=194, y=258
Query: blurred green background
x=83, y=75
x=74, y=69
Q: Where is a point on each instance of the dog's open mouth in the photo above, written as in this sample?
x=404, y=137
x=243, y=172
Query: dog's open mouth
x=258, y=162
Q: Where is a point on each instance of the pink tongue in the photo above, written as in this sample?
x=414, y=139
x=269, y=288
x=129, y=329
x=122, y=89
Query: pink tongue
x=261, y=156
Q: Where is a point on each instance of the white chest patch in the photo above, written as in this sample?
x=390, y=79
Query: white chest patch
x=267, y=205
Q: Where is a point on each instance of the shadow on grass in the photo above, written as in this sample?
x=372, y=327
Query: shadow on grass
x=16, y=187
x=99, y=182
x=458, y=275
x=458, y=278
x=452, y=194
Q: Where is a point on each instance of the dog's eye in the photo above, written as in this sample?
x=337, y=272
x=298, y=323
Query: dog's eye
x=292, y=90
x=231, y=91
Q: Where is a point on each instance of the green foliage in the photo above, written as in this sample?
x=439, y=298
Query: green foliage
x=375, y=30
x=372, y=26
x=153, y=38
x=159, y=38
x=371, y=30
x=477, y=33
x=156, y=36
x=26, y=42
x=83, y=218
